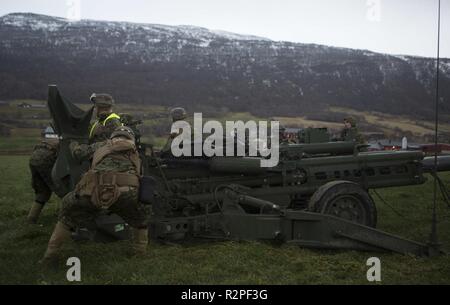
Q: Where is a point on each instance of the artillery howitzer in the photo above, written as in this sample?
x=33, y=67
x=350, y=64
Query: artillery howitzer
x=317, y=196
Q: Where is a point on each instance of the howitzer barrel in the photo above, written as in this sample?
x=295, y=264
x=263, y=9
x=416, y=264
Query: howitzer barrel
x=193, y=163
x=225, y=165
x=337, y=148
x=245, y=165
x=443, y=164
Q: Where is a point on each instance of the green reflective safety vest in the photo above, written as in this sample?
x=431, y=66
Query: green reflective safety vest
x=111, y=116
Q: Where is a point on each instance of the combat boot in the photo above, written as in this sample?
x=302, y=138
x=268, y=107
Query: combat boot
x=34, y=213
x=60, y=234
x=140, y=241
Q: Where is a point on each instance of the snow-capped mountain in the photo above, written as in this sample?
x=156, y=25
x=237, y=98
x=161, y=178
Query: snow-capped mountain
x=197, y=67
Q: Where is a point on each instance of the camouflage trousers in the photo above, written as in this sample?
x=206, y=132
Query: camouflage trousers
x=41, y=181
x=79, y=211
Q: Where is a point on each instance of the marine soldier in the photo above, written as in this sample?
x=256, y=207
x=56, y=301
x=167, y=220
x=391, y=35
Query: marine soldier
x=351, y=132
x=107, y=121
x=41, y=164
x=111, y=184
x=177, y=114
x=284, y=137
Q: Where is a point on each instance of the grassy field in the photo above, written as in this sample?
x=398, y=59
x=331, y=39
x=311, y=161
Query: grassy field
x=22, y=245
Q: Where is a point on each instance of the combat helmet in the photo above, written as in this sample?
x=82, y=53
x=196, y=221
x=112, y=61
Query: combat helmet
x=178, y=114
x=123, y=131
x=102, y=99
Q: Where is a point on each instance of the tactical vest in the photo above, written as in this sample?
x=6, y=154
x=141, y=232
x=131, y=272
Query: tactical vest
x=111, y=116
x=105, y=188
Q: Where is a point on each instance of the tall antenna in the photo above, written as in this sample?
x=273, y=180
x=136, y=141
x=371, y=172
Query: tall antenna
x=433, y=243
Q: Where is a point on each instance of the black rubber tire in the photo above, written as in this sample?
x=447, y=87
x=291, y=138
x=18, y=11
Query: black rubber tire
x=345, y=199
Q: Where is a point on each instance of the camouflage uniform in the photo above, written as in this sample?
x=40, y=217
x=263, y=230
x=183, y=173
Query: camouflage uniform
x=78, y=209
x=177, y=114
x=41, y=164
x=111, y=184
x=352, y=133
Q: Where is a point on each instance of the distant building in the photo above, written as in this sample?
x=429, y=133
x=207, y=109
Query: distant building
x=24, y=105
x=375, y=146
x=384, y=144
x=27, y=105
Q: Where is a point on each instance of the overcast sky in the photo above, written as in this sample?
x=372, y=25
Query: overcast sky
x=388, y=26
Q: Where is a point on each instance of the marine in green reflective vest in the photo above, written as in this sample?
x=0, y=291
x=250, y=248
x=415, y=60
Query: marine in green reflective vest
x=107, y=121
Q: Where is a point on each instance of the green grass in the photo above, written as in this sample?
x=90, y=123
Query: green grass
x=22, y=245
x=13, y=145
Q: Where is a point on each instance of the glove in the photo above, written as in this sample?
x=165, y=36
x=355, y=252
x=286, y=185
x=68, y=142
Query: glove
x=73, y=146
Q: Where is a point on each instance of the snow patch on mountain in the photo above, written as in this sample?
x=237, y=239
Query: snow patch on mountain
x=445, y=68
x=31, y=20
x=234, y=36
x=402, y=57
x=47, y=23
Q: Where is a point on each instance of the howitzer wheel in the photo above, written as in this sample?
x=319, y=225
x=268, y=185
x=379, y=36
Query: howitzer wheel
x=345, y=199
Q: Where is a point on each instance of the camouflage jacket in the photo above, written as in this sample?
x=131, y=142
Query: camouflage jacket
x=109, y=163
x=45, y=154
x=352, y=134
x=101, y=130
x=287, y=141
